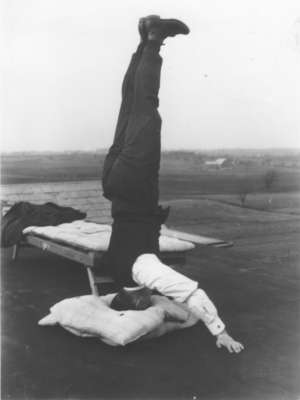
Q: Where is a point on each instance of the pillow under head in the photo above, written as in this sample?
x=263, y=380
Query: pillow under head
x=90, y=315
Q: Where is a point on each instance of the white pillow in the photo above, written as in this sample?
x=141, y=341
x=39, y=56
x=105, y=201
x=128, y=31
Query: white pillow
x=90, y=315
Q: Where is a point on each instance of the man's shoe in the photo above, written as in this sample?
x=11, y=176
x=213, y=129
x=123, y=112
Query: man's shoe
x=134, y=299
x=142, y=27
x=159, y=29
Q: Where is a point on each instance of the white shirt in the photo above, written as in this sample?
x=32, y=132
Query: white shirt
x=149, y=271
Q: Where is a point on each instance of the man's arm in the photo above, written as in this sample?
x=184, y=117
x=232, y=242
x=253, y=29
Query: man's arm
x=201, y=305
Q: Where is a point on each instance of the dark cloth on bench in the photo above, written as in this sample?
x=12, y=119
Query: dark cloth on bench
x=23, y=214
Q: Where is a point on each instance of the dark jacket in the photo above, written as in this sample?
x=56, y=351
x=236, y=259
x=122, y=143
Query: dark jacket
x=24, y=214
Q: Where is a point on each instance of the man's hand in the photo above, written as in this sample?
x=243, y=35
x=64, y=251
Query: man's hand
x=223, y=339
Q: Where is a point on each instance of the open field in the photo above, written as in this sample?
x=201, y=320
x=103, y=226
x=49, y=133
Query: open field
x=183, y=177
x=179, y=176
x=288, y=203
x=28, y=168
x=255, y=285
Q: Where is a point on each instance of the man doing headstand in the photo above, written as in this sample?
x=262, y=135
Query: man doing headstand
x=131, y=180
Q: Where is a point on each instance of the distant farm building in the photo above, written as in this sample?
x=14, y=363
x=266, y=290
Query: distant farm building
x=219, y=163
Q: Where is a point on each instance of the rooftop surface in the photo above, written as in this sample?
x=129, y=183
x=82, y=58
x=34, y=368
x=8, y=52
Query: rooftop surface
x=254, y=284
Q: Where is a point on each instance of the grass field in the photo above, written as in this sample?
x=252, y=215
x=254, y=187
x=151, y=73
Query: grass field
x=178, y=177
x=57, y=167
x=288, y=203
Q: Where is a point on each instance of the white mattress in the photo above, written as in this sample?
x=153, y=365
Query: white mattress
x=92, y=236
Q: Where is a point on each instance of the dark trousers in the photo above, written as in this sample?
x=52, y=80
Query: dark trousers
x=131, y=168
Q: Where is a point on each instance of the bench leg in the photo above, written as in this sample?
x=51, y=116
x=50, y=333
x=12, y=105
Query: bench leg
x=92, y=282
x=15, y=252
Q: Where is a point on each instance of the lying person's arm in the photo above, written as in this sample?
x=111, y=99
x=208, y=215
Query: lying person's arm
x=200, y=304
x=174, y=311
x=149, y=271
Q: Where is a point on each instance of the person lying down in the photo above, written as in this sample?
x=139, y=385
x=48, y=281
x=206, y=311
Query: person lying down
x=150, y=274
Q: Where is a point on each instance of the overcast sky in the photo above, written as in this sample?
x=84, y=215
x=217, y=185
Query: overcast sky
x=233, y=82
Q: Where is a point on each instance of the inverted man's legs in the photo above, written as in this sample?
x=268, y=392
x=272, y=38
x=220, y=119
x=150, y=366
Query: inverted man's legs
x=130, y=177
x=133, y=173
x=124, y=113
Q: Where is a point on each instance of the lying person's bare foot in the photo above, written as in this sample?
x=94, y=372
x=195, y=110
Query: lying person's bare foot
x=225, y=340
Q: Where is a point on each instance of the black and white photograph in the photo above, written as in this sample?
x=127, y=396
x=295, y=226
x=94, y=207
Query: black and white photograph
x=150, y=200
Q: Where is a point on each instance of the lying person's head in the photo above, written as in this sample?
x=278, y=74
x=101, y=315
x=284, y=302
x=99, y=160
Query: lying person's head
x=132, y=299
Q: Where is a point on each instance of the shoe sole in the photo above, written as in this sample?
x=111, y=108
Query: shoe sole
x=184, y=27
x=154, y=22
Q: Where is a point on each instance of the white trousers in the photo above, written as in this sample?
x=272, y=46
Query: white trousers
x=149, y=271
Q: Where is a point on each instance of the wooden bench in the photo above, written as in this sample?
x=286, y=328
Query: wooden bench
x=86, y=196
x=91, y=260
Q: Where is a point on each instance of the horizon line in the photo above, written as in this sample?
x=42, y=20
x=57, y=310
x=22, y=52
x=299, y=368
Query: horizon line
x=163, y=150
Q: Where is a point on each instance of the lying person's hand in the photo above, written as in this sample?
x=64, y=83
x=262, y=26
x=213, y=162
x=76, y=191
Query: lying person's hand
x=225, y=340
